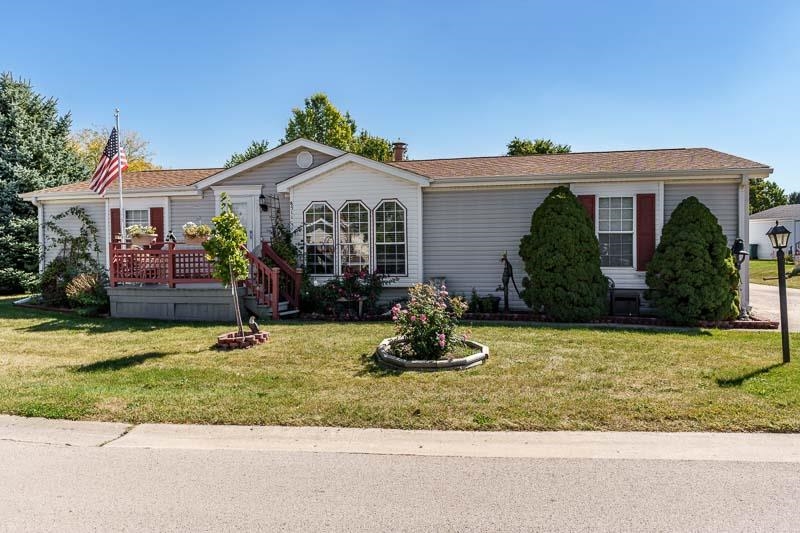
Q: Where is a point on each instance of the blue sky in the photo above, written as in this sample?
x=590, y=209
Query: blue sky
x=201, y=79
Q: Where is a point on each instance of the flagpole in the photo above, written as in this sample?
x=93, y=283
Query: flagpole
x=119, y=178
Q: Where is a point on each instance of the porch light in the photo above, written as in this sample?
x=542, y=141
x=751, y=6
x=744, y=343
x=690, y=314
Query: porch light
x=778, y=236
x=263, y=203
x=739, y=255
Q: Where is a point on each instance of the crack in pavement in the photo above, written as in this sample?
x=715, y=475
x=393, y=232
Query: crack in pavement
x=124, y=432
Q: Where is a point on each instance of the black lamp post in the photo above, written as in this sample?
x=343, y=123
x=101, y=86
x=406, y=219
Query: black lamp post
x=739, y=257
x=779, y=238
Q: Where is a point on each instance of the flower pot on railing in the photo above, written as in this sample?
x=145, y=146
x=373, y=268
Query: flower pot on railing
x=143, y=239
x=194, y=241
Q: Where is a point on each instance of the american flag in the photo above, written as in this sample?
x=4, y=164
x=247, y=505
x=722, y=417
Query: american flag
x=107, y=168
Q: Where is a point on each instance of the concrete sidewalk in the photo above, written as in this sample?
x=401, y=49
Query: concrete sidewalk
x=766, y=305
x=747, y=447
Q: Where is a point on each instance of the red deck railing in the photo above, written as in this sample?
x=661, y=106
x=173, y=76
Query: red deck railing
x=290, y=280
x=263, y=283
x=162, y=263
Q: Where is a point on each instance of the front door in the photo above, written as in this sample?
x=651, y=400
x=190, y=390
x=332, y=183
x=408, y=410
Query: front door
x=244, y=210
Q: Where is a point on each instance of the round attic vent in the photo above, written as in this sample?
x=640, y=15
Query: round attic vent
x=305, y=159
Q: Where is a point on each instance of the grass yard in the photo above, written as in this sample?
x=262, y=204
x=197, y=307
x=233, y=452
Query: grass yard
x=537, y=378
x=761, y=268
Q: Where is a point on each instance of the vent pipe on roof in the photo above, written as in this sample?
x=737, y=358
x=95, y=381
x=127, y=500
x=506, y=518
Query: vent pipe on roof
x=399, y=150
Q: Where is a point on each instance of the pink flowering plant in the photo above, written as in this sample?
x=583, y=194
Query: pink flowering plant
x=427, y=323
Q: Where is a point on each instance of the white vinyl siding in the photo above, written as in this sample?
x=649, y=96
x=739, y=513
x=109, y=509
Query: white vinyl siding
x=465, y=233
x=183, y=210
x=95, y=210
x=721, y=198
x=268, y=175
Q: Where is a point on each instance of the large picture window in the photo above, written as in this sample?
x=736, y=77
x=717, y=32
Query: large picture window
x=390, y=238
x=318, y=240
x=353, y=236
x=615, y=223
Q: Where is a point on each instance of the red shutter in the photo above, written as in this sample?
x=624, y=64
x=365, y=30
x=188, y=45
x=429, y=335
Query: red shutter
x=587, y=200
x=645, y=229
x=157, y=221
x=115, y=229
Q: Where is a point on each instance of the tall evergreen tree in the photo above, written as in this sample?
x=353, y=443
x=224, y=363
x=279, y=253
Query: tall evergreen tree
x=692, y=275
x=562, y=261
x=35, y=153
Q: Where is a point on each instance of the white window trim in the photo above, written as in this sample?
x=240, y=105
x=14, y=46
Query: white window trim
x=334, y=236
x=339, y=245
x=633, y=233
x=405, y=235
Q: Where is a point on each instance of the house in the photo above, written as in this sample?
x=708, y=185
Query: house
x=760, y=223
x=413, y=219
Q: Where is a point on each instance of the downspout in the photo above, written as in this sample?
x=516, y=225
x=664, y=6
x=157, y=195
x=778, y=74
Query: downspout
x=744, y=234
x=40, y=218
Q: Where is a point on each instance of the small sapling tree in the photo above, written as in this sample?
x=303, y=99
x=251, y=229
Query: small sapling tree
x=225, y=251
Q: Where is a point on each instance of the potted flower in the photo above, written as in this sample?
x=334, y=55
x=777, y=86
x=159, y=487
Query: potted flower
x=196, y=233
x=141, y=235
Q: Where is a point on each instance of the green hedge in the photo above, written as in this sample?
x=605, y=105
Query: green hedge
x=692, y=275
x=562, y=261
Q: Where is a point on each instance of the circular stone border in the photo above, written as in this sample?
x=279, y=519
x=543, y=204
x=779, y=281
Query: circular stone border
x=383, y=354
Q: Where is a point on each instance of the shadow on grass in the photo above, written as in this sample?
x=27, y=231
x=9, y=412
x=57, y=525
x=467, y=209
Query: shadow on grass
x=738, y=381
x=120, y=363
x=372, y=368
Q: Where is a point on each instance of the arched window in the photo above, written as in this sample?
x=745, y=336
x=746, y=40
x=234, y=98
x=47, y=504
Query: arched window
x=353, y=237
x=318, y=240
x=390, y=238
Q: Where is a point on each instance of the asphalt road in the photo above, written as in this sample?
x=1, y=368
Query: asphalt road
x=73, y=488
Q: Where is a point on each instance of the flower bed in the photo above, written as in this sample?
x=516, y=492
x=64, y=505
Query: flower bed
x=426, y=337
x=386, y=354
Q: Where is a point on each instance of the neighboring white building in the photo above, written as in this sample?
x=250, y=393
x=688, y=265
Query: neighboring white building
x=760, y=223
x=439, y=218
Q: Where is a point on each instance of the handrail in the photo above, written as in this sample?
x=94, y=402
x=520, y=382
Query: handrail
x=263, y=282
x=292, y=277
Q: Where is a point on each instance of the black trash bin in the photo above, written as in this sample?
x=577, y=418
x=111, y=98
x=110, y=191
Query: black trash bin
x=753, y=250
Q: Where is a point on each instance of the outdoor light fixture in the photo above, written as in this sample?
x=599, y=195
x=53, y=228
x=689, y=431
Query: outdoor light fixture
x=739, y=257
x=263, y=203
x=779, y=237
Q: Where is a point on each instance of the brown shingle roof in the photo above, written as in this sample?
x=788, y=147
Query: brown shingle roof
x=644, y=161
x=147, y=179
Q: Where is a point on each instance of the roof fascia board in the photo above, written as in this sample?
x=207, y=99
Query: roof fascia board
x=333, y=164
x=594, y=178
x=139, y=193
x=268, y=156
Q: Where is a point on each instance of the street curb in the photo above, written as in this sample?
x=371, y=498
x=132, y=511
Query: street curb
x=744, y=447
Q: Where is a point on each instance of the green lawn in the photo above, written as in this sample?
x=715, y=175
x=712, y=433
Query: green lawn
x=537, y=378
x=761, y=268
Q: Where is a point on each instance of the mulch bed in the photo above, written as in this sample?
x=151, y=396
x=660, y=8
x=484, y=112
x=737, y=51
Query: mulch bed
x=626, y=320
